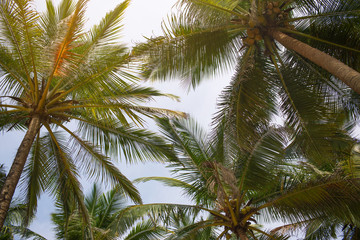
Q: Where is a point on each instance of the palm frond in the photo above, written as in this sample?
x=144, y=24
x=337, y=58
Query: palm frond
x=247, y=104
x=97, y=165
x=188, y=53
x=34, y=180
x=190, y=144
x=109, y=204
x=133, y=144
x=27, y=233
x=260, y=168
x=13, y=15
x=201, y=8
x=313, y=119
x=107, y=31
x=187, y=137
x=193, y=230
x=146, y=230
x=63, y=176
x=62, y=57
x=189, y=189
x=332, y=196
x=91, y=200
x=13, y=81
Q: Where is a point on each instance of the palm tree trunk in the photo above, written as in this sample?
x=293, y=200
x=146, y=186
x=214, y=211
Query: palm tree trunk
x=241, y=234
x=340, y=70
x=17, y=167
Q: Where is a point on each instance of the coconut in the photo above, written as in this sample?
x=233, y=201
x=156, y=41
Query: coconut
x=249, y=41
x=258, y=37
x=251, y=23
x=262, y=19
x=250, y=33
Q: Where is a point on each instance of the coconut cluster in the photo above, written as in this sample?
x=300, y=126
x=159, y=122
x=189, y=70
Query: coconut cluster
x=253, y=35
x=272, y=8
x=272, y=16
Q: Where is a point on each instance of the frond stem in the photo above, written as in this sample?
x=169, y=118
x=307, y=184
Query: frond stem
x=260, y=231
x=290, y=98
x=243, y=176
x=83, y=82
x=16, y=107
x=35, y=79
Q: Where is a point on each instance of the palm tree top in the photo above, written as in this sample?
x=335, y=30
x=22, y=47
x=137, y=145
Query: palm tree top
x=238, y=189
x=207, y=35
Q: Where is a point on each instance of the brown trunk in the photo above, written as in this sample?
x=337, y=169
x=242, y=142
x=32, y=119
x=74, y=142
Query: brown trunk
x=17, y=167
x=340, y=70
x=241, y=234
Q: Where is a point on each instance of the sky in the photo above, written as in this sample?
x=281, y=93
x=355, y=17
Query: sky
x=142, y=18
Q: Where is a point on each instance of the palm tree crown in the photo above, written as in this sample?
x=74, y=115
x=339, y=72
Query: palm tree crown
x=268, y=80
x=208, y=34
x=239, y=189
x=104, y=209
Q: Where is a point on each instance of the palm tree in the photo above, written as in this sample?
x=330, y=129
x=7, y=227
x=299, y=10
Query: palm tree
x=103, y=209
x=208, y=36
x=237, y=190
x=54, y=72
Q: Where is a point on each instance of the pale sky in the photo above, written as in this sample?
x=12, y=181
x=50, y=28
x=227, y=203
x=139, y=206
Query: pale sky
x=143, y=18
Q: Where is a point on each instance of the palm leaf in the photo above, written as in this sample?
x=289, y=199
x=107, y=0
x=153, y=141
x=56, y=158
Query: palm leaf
x=91, y=200
x=247, y=104
x=107, y=31
x=145, y=230
x=110, y=203
x=260, y=168
x=193, y=192
x=63, y=176
x=167, y=55
x=10, y=18
x=134, y=144
x=34, y=179
x=62, y=56
x=96, y=164
x=331, y=197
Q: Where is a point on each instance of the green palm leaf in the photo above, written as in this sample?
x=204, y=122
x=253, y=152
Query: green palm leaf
x=63, y=176
x=146, y=231
x=311, y=200
x=34, y=180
